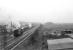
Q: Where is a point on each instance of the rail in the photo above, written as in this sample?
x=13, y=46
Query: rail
x=13, y=44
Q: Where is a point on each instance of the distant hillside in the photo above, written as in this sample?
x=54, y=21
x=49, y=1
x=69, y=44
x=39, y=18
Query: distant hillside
x=58, y=26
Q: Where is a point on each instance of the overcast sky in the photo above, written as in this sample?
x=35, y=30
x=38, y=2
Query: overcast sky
x=58, y=11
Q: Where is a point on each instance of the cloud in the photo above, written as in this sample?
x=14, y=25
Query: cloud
x=37, y=10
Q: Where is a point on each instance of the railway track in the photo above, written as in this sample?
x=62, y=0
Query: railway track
x=12, y=38
x=12, y=44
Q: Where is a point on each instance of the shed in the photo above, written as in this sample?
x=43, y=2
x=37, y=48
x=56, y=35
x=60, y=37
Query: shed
x=58, y=44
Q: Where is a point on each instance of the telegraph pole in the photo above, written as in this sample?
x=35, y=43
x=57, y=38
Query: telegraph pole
x=10, y=24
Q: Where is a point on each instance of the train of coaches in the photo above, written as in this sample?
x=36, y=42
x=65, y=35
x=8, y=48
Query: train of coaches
x=16, y=33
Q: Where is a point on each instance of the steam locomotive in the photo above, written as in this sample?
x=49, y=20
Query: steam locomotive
x=18, y=32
